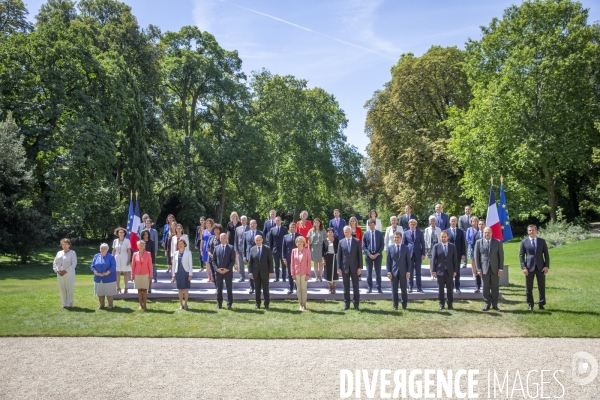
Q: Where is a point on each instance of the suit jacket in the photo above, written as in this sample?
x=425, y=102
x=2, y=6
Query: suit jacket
x=186, y=261
x=416, y=245
x=398, y=262
x=249, y=242
x=262, y=267
x=442, y=262
x=460, y=241
x=338, y=231
x=213, y=241
x=275, y=240
x=489, y=258
x=289, y=244
x=223, y=259
x=267, y=226
x=442, y=222
x=404, y=221
x=379, y=242
x=531, y=259
x=464, y=222
x=238, y=243
x=349, y=260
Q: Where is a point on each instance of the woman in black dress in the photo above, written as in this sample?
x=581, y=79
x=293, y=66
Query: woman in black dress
x=168, y=254
x=330, y=248
x=213, y=242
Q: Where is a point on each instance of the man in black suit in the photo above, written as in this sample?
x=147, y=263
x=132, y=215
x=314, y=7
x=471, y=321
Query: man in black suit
x=405, y=219
x=458, y=238
x=270, y=223
x=249, y=242
x=289, y=244
x=350, y=263
x=260, y=269
x=398, y=264
x=275, y=242
x=489, y=261
x=476, y=237
x=373, y=247
x=222, y=263
x=535, y=262
x=413, y=238
x=444, y=267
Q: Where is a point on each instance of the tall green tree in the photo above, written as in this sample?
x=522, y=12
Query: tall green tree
x=13, y=17
x=408, y=137
x=534, y=106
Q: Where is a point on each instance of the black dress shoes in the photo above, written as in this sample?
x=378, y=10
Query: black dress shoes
x=369, y=291
x=458, y=291
x=486, y=307
x=395, y=308
x=356, y=306
x=251, y=291
x=404, y=306
x=409, y=290
x=495, y=307
x=541, y=306
x=229, y=306
x=450, y=307
x=379, y=291
x=218, y=306
x=530, y=307
x=277, y=280
x=256, y=306
x=420, y=290
x=441, y=307
x=346, y=307
x=241, y=280
x=477, y=290
x=266, y=307
x=289, y=292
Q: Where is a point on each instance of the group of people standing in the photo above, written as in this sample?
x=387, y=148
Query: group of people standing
x=286, y=253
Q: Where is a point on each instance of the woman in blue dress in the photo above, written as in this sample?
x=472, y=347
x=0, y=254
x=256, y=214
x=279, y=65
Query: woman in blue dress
x=183, y=273
x=104, y=267
x=207, y=234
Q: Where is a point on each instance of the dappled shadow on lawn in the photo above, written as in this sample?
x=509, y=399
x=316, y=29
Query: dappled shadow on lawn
x=281, y=310
x=325, y=312
x=158, y=311
x=80, y=309
x=439, y=312
x=26, y=272
x=246, y=310
x=199, y=311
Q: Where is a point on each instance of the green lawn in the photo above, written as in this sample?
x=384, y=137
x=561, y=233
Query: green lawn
x=30, y=306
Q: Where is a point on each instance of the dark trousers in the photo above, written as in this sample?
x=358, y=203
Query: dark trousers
x=541, y=282
x=279, y=266
x=241, y=268
x=415, y=270
x=261, y=284
x=210, y=270
x=376, y=263
x=200, y=256
x=346, y=277
x=447, y=281
x=457, y=278
x=491, y=287
x=228, y=278
x=402, y=279
x=291, y=282
x=478, y=281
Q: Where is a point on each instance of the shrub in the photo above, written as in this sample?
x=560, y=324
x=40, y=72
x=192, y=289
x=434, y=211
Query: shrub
x=559, y=233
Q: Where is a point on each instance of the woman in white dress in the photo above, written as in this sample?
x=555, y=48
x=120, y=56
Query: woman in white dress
x=121, y=250
x=64, y=266
x=179, y=235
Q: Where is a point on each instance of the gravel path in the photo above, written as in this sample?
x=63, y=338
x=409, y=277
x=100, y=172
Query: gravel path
x=128, y=368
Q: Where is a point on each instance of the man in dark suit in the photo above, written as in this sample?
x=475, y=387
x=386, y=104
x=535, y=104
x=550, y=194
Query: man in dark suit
x=535, y=262
x=458, y=238
x=248, y=244
x=222, y=263
x=350, y=263
x=289, y=244
x=337, y=224
x=414, y=240
x=275, y=241
x=373, y=248
x=489, y=261
x=444, y=266
x=260, y=269
x=270, y=223
x=477, y=236
x=441, y=218
x=398, y=264
x=238, y=245
x=405, y=219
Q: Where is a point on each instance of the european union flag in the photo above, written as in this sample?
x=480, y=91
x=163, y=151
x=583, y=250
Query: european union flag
x=503, y=216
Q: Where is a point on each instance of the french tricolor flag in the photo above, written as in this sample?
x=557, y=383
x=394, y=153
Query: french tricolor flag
x=133, y=221
x=493, y=220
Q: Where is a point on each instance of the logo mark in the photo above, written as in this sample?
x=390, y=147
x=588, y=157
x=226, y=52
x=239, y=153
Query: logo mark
x=584, y=368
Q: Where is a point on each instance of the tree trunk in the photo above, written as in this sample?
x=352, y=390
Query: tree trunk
x=551, y=188
x=573, y=185
x=221, y=206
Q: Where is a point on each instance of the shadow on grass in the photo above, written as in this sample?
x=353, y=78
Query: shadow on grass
x=80, y=309
x=440, y=312
x=281, y=310
x=379, y=312
x=246, y=311
x=155, y=311
x=326, y=312
x=26, y=272
x=199, y=311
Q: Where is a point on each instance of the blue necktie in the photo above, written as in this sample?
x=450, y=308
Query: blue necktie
x=259, y=253
x=445, y=250
x=372, y=241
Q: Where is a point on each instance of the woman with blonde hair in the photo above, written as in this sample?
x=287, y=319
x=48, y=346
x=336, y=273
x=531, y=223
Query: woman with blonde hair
x=303, y=226
x=64, y=266
x=179, y=235
x=168, y=248
x=141, y=272
x=316, y=236
x=121, y=251
x=300, y=269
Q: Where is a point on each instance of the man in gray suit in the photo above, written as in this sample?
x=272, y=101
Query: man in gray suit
x=535, y=262
x=444, y=266
x=464, y=222
x=489, y=262
x=398, y=266
x=350, y=263
x=238, y=246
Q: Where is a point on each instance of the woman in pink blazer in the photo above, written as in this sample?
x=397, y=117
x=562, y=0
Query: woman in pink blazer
x=300, y=269
x=141, y=272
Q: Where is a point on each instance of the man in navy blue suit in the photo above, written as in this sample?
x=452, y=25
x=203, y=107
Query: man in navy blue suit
x=441, y=219
x=413, y=238
x=404, y=219
x=458, y=238
x=337, y=224
x=443, y=268
x=397, y=264
x=270, y=223
x=275, y=242
x=249, y=243
x=289, y=244
x=350, y=263
x=373, y=248
x=222, y=262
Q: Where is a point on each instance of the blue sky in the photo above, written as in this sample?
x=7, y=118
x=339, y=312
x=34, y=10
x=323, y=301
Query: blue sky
x=347, y=47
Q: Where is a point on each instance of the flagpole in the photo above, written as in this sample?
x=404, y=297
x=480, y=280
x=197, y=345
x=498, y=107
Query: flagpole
x=131, y=195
